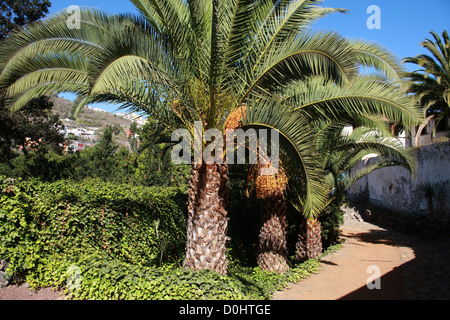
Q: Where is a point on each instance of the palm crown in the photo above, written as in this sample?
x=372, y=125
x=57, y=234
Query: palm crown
x=181, y=61
x=431, y=83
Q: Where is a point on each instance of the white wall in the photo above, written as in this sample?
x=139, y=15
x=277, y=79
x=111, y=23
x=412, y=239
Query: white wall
x=393, y=187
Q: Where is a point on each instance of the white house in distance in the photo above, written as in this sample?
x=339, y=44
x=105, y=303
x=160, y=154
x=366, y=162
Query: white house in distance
x=81, y=133
x=134, y=117
x=427, y=136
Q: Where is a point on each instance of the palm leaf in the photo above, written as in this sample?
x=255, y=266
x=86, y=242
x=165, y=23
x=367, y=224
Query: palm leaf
x=366, y=95
x=372, y=55
x=299, y=146
x=322, y=54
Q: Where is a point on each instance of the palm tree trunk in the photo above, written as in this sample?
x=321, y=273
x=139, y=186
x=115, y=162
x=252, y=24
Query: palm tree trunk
x=273, y=252
x=309, y=245
x=207, y=218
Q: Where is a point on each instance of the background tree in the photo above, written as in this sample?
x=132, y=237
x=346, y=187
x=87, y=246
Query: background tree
x=132, y=137
x=153, y=163
x=431, y=83
x=35, y=121
x=116, y=129
x=17, y=13
x=33, y=127
x=103, y=158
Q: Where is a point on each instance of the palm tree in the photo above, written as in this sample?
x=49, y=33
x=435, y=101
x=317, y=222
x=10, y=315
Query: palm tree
x=272, y=251
x=431, y=83
x=314, y=105
x=182, y=61
x=343, y=149
x=427, y=191
x=340, y=151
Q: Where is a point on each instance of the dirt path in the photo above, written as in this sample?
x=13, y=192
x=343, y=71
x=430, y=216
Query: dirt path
x=24, y=292
x=344, y=274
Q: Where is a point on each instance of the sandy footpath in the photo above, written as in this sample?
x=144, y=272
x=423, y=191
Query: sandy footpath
x=368, y=253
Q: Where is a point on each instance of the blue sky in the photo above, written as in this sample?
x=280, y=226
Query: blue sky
x=404, y=23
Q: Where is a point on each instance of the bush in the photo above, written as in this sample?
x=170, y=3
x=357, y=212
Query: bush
x=144, y=226
x=100, y=240
x=107, y=278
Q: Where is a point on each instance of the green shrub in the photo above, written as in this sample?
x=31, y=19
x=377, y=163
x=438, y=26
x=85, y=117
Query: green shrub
x=100, y=240
x=105, y=278
x=144, y=226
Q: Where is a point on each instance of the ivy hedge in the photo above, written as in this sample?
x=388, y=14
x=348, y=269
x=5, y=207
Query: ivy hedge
x=98, y=240
x=137, y=225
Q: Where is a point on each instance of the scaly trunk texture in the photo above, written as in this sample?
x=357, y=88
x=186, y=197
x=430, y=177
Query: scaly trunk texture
x=207, y=218
x=309, y=245
x=273, y=252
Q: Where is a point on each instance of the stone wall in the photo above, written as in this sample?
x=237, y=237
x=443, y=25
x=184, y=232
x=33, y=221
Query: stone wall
x=394, y=188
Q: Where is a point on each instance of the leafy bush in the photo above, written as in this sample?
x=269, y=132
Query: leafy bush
x=100, y=240
x=144, y=226
x=106, y=278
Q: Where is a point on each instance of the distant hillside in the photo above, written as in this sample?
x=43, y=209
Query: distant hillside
x=94, y=119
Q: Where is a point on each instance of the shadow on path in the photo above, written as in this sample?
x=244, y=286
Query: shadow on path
x=391, y=288
x=425, y=273
x=411, y=267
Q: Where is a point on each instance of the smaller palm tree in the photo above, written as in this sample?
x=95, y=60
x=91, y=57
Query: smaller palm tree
x=272, y=252
x=427, y=191
x=341, y=150
x=431, y=83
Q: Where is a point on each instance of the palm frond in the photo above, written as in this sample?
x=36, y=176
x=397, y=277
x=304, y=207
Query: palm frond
x=315, y=54
x=431, y=83
x=284, y=21
x=343, y=150
x=354, y=176
x=372, y=55
x=366, y=96
x=297, y=141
